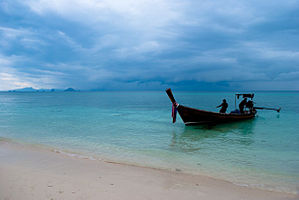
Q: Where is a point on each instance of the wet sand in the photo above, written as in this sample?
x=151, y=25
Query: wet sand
x=30, y=173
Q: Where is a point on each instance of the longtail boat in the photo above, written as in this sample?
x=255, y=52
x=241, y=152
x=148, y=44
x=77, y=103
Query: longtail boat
x=192, y=116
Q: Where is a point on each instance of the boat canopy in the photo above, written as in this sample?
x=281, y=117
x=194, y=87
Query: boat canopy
x=245, y=95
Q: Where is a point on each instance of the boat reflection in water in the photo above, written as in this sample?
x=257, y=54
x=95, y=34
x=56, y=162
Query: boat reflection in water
x=194, y=138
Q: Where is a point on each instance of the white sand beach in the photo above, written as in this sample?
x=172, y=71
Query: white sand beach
x=30, y=173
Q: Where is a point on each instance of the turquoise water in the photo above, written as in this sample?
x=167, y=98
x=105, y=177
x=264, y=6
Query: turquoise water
x=135, y=127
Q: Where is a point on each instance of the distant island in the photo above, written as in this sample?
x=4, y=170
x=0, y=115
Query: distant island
x=70, y=90
x=27, y=89
x=31, y=89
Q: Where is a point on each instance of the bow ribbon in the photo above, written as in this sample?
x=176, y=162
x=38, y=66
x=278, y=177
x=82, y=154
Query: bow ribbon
x=174, y=111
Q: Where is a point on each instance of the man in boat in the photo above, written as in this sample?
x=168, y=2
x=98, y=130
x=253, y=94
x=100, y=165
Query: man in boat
x=249, y=105
x=223, y=106
x=242, y=105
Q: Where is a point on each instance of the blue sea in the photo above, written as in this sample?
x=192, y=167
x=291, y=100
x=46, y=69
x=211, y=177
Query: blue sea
x=136, y=128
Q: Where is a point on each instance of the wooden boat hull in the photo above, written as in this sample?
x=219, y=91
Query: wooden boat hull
x=192, y=116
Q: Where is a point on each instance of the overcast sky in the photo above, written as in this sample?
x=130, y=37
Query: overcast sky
x=150, y=44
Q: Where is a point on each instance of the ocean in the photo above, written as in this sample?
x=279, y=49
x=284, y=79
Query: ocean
x=136, y=128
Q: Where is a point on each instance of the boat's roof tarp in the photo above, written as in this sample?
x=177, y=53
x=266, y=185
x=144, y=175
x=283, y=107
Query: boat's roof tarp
x=245, y=95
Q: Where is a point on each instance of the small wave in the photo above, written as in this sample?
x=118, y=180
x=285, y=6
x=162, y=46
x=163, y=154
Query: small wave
x=269, y=188
x=76, y=155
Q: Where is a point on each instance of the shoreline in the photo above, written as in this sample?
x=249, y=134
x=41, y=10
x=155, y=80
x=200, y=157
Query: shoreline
x=76, y=153
x=32, y=172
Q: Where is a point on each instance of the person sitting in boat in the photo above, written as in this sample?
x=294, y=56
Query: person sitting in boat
x=249, y=105
x=242, y=105
x=223, y=106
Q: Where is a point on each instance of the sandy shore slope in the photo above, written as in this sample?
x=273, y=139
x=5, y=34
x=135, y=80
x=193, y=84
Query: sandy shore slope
x=30, y=173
